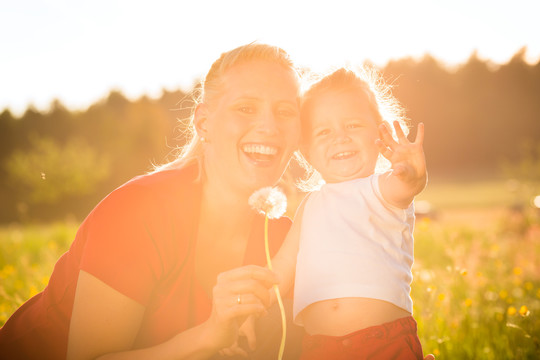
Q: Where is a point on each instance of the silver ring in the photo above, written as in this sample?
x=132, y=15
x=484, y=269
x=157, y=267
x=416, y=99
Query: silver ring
x=238, y=300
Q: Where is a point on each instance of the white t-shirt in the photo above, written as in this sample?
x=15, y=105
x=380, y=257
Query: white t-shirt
x=353, y=244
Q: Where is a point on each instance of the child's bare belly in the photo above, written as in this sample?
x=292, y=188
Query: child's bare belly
x=337, y=317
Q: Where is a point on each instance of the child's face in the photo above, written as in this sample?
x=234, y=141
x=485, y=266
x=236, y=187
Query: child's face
x=340, y=136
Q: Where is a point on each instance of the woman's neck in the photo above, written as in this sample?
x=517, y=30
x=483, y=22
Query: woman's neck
x=225, y=210
x=222, y=238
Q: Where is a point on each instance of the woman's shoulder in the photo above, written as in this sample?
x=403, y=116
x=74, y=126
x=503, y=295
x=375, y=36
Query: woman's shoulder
x=145, y=193
x=164, y=180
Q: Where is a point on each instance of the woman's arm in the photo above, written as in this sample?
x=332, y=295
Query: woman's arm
x=105, y=323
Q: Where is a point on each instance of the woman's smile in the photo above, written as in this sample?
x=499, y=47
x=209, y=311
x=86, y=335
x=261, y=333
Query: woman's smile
x=260, y=154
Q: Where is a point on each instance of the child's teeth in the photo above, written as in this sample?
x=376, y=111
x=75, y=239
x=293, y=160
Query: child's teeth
x=343, y=154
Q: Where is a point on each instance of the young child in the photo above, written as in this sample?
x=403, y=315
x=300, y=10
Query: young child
x=352, y=240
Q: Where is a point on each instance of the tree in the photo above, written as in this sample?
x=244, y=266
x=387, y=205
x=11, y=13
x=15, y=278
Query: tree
x=48, y=172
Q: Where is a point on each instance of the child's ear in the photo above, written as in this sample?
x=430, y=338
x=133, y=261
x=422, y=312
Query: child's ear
x=200, y=120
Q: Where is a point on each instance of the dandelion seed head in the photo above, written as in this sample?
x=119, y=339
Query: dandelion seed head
x=536, y=201
x=269, y=201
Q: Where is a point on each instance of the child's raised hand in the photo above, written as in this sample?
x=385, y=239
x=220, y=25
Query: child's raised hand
x=407, y=158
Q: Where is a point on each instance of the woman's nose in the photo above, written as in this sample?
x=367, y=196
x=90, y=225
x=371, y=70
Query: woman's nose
x=267, y=123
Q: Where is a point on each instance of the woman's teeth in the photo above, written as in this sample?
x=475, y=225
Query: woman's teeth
x=260, y=152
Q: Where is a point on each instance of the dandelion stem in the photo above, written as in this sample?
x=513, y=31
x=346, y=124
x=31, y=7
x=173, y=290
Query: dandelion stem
x=276, y=289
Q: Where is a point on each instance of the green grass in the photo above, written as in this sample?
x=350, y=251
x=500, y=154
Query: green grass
x=476, y=287
x=476, y=193
x=27, y=258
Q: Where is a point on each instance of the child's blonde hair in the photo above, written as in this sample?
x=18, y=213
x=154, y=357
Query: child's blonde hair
x=365, y=81
x=210, y=89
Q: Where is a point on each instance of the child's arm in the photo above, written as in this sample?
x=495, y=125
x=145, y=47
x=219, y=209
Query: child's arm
x=408, y=176
x=284, y=262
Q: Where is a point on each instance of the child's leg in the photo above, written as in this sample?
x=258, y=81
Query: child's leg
x=394, y=340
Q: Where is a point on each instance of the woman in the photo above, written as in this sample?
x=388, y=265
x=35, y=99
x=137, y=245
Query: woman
x=164, y=267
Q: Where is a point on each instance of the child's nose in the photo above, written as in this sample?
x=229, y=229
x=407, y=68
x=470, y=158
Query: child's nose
x=342, y=136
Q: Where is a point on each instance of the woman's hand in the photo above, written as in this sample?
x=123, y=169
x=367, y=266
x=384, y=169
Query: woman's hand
x=239, y=293
x=247, y=331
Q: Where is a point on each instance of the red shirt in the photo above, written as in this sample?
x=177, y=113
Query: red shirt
x=140, y=241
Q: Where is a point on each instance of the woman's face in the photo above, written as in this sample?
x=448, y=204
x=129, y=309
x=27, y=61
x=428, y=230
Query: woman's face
x=253, y=126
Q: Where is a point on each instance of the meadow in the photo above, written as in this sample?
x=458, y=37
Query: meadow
x=476, y=287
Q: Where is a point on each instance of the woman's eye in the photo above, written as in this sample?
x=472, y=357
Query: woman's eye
x=246, y=109
x=286, y=113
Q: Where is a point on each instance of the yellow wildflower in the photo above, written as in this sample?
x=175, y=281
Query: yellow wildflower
x=510, y=300
x=517, y=271
x=468, y=302
x=524, y=311
x=33, y=291
x=511, y=311
x=503, y=294
x=7, y=271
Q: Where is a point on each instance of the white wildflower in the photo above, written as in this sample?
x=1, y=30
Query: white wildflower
x=269, y=201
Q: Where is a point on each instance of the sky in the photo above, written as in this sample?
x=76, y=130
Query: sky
x=78, y=51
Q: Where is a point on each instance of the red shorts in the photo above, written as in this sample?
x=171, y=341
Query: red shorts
x=394, y=340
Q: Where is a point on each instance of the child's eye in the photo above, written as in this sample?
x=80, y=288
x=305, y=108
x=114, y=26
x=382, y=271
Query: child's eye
x=322, y=132
x=354, y=125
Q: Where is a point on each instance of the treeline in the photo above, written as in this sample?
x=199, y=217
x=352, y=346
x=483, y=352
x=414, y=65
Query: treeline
x=61, y=162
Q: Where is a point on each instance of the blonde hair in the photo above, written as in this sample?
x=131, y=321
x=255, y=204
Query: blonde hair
x=365, y=81
x=210, y=89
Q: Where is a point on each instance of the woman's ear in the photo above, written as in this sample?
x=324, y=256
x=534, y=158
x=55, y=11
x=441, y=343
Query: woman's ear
x=200, y=120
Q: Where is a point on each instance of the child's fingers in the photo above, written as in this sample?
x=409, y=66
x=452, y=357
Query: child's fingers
x=386, y=136
x=419, y=134
x=383, y=149
x=400, y=134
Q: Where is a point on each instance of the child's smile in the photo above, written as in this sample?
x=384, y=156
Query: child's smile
x=341, y=136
